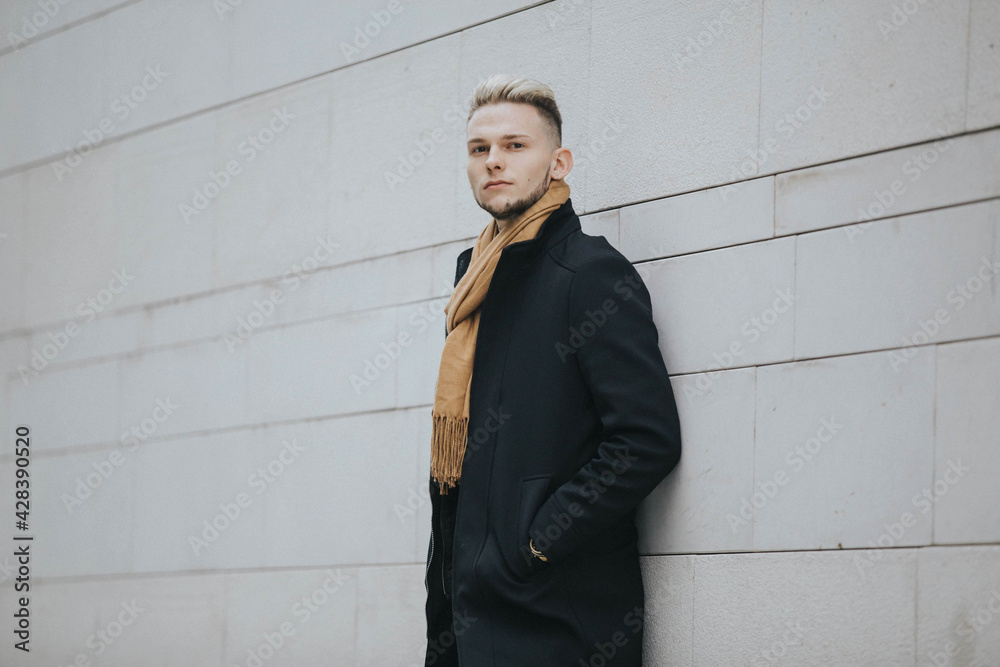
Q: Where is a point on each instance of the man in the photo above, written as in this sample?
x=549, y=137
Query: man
x=553, y=416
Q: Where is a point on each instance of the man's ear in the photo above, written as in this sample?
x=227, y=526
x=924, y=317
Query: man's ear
x=563, y=163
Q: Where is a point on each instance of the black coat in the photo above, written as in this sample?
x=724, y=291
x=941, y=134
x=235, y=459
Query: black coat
x=572, y=423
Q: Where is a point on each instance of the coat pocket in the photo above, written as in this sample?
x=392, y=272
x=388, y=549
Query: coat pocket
x=533, y=491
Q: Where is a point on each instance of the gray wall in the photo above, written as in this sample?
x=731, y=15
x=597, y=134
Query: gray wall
x=810, y=189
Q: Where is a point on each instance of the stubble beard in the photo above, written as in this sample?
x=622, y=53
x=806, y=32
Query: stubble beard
x=515, y=208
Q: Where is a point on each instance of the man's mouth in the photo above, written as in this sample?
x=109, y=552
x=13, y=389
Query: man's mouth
x=493, y=186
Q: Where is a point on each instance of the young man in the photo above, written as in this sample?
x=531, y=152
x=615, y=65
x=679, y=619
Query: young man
x=553, y=416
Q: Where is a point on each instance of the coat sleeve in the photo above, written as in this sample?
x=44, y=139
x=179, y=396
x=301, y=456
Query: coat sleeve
x=625, y=373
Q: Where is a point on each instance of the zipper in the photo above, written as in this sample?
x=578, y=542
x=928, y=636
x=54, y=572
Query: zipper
x=428, y=569
x=430, y=559
x=444, y=589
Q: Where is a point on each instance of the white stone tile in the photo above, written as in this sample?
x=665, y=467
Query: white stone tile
x=296, y=296
x=167, y=621
x=70, y=239
x=418, y=496
x=333, y=366
x=550, y=43
x=984, y=65
x=894, y=283
x=339, y=506
x=374, y=283
x=69, y=79
x=63, y=95
x=724, y=308
x=28, y=20
x=311, y=37
x=14, y=352
x=63, y=617
x=419, y=341
x=802, y=608
x=6, y=447
x=320, y=36
x=200, y=501
x=700, y=220
x=380, y=132
x=13, y=209
x=604, y=223
x=679, y=87
x=67, y=407
x=85, y=336
x=164, y=238
x=11, y=110
x=207, y=383
x=843, y=445
x=226, y=317
x=668, y=617
x=958, y=606
x=82, y=514
x=689, y=511
x=146, y=38
x=178, y=620
x=309, y=614
x=836, y=81
x=894, y=182
x=966, y=457
x=272, y=214
x=391, y=604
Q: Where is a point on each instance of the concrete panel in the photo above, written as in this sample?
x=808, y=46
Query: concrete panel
x=843, y=446
x=668, y=619
x=13, y=211
x=958, y=606
x=984, y=65
x=894, y=182
x=393, y=172
x=200, y=501
x=81, y=512
x=206, y=383
x=67, y=212
x=391, y=604
x=678, y=86
x=308, y=614
x=27, y=21
x=164, y=236
x=702, y=220
x=339, y=506
x=420, y=339
x=174, y=620
x=851, y=78
x=67, y=407
x=271, y=215
x=70, y=612
x=810, y=609
x=898, y=283
x=966, y=456
x=330, y=367
x=688, y=511
x=724, y=308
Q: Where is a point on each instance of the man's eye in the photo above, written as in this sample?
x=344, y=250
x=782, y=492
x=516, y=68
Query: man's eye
x=517, y=144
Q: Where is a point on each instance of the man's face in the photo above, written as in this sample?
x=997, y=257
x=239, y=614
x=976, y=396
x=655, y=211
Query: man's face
x=508, y=143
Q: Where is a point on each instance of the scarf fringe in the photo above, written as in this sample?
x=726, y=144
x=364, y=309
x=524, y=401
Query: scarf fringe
x=448, y=449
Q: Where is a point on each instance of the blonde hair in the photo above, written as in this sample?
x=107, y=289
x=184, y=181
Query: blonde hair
x=506, y=88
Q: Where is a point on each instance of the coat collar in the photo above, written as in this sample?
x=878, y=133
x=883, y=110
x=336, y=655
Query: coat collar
x=561, y=222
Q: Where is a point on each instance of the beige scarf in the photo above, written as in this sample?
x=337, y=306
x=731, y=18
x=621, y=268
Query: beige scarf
x=451, y=394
